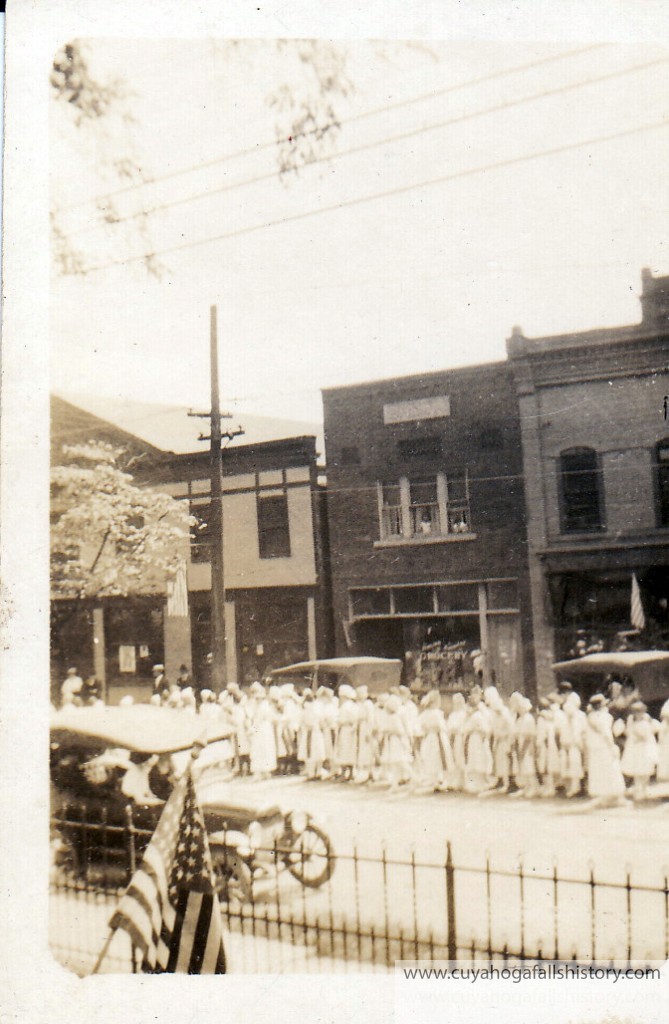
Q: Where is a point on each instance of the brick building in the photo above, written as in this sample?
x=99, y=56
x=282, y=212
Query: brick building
x=427, y=525
x=596, y=458
x=275, y=551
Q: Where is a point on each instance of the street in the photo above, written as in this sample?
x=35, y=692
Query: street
x=587, y=907
x=388, y=896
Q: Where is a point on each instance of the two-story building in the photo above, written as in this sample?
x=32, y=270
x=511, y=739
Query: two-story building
x=427, y=525
x=595, y=435
x=274, y=551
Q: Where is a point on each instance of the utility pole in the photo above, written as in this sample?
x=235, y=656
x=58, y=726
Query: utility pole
x=215, y=437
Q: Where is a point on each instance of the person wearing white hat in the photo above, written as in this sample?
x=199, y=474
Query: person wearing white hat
x=525, y=732
x=501, y=722
x=262, y=736
x=364, y=739
x=326, y=713
x=435, y=758
x=347, y=718
x=291, y=719
x=160, y=683
x=310, y=744
x=236, y=704
x=639, y=759
x=396, y=756
x=478, y=758
x=663, y=744
x=188, y=700
x=455, y=726
x=71, y=690
x=208, y=706
x=548, y=754
x=606, y=784
x=571, y=737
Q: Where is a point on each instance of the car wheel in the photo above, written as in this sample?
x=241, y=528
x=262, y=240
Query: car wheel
x=311, y=859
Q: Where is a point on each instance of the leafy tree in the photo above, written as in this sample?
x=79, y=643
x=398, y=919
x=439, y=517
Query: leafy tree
x=110, y=537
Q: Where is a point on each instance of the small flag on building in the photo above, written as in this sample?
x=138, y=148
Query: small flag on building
x=637, y=617
x=177, y=593
x=170, y=909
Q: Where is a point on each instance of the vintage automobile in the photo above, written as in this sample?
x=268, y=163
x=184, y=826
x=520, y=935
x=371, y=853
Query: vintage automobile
x=377, y=674
x=649, y=670
x=100, y=829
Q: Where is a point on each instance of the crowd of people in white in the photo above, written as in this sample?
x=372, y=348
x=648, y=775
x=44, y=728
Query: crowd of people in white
x=480, y=744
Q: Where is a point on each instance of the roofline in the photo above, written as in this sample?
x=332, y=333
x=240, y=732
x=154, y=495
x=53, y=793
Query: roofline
x=519, y=346
x=431, y=375
x=301, y=440
x=139, y=441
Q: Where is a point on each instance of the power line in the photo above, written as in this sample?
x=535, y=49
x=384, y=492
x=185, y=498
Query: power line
x=334, y=124
x=388, y=140
x=386, y=194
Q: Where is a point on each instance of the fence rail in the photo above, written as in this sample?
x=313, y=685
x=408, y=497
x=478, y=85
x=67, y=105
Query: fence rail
x=375, y=908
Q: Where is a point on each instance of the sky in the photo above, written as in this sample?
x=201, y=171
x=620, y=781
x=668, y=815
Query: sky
x=431, y=276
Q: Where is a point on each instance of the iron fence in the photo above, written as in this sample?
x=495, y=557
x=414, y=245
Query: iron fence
x=374, y=909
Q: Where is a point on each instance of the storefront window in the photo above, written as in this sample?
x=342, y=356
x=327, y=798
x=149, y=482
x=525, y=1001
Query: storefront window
x=463, y=597
x=370, y=602
x=413, y=600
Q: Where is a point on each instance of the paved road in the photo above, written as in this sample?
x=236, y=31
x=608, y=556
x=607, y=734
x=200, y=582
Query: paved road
x=407, y=896
x=538, y=830
x=614, y=844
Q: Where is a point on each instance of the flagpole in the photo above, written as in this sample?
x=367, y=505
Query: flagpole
x=103, y=951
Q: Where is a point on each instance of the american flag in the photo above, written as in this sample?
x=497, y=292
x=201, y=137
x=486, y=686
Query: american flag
x=170, y=909
x=637, y=617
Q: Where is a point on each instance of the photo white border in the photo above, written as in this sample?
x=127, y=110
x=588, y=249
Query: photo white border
x=34, y=987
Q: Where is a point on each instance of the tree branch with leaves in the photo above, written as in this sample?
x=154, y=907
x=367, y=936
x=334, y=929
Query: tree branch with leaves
x=109, y=536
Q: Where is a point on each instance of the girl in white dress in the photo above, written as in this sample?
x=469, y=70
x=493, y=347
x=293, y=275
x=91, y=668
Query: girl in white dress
x=605, y=778
x=548, y=755
x=396, y=756
x=571, y=737
x=455, y=726
x=639, y=759
x=261, y=733
x=327, y=716
x=478, y=758
x=435, y=757
x=663, y=745
x=501, y=739
x=525, y=730
x=347, y=719
x=364, y=740
x=310, y=743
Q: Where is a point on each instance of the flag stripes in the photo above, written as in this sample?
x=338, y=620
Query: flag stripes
x=637, y=616
x=170, y=909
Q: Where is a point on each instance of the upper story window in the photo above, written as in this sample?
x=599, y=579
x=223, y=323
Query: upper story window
x=662, y=474
x=580, y=489
x=424, y=507
x=273, y=527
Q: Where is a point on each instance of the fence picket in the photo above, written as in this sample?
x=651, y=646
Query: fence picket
x=355, y=917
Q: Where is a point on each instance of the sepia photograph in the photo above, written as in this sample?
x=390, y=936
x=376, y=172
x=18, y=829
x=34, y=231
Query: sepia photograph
x=353, y=443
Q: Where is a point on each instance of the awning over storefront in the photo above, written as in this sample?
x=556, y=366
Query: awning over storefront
x=602, y=558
